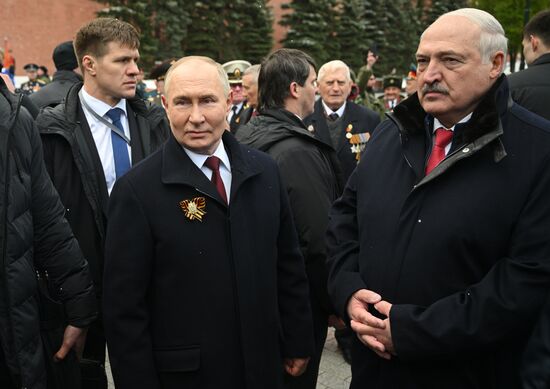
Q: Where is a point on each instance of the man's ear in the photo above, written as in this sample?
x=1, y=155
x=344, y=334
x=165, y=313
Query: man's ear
x=164, y=101
x=534, y=42
x=497, y=65
x=89, y=65
x=293, y=89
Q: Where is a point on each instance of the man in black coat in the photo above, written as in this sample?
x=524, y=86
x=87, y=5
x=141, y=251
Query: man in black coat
x=204, y=285
x=530, y=88
x=35, y=235
x=334, y=119
x=65, y=62
x=309, y=170
x=86, y=150
x=439, y=247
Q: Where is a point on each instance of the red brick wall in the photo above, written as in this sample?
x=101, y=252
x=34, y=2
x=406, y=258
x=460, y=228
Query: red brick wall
x=34, y=27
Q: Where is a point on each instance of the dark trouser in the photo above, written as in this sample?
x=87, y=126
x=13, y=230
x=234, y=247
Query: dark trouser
x=95, y=340
x=345, y=338
x=308, y=380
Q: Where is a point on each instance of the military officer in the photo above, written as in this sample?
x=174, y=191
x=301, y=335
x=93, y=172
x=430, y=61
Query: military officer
x=235, y=70
x=392, y=92
x=158, y=74
x=34, y=83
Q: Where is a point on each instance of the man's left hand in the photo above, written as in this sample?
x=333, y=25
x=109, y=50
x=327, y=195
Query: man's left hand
x=295, y=366
x=377, y=339
x=73, y=338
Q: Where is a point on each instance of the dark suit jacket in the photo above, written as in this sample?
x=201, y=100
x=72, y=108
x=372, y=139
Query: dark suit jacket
x=208, y=304
x=361, y=118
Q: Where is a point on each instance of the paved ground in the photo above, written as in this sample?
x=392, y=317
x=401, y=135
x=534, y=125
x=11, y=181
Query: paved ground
x=334, y=372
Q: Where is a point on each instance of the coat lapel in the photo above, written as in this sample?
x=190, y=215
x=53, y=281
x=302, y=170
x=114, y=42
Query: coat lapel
x=177, y=168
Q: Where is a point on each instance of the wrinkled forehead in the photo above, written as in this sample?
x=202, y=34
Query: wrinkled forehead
x=452, y=31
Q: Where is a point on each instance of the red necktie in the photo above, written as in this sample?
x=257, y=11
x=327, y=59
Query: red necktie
x=442, y=138
x=213, y=163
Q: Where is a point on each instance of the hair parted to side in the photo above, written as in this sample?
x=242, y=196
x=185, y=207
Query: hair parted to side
x=539, y=26
x=331, y=66
x=93, y=37
x=222, y=76
x=492, y=38
x=278, y=70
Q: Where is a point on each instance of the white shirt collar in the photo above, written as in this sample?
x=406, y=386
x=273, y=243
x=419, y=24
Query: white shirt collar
x=199, y=159
x=101, y=107
x=438, y=124
x=339, y=111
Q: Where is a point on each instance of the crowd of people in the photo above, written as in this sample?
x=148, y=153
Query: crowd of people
x=207, y=232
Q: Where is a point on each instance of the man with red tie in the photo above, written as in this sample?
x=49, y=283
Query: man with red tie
x=439, y=249
x=205, y=286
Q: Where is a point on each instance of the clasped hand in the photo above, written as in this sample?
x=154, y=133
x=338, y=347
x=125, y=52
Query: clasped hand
x=373, y=332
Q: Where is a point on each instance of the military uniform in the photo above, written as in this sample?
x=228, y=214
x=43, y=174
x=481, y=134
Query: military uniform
x=235, y=70
x=31, y=86
x=158, y=73
x=391, y=81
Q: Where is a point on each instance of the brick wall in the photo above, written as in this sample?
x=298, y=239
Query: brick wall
x=34, y=28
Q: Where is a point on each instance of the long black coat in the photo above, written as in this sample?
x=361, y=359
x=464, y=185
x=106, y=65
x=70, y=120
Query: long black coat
x=204, y=304
x=463, y=253
x=530, y=88
x=34, y=234
x=361, y=118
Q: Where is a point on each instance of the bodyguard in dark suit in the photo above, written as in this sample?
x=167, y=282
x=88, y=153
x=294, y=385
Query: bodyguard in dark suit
x=204, y=284
x=334, y=117
x=84, y=155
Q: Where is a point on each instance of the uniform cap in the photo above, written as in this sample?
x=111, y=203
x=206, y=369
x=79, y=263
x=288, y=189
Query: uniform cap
x=235, y=70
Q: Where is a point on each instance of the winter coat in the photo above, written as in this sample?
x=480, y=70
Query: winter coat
x=211, y=300
x=310, y=172
x=462, y=253
x=52, y=94
x=76, y=171
x=530, y=88
x=34, y=235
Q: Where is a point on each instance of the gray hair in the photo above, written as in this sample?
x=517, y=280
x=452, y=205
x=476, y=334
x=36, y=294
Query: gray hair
x=492, y=38
x=333, y=65
x=224, y=82
x=254, y=71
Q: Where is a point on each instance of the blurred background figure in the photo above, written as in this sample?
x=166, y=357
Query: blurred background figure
x=42, y=74
x=67, y=75
x=392, y=92
x=411, y=87
x=34, y=84
x=235, y=70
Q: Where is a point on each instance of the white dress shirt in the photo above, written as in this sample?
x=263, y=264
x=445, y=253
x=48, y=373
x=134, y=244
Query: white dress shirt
x=339, y=111
x=437, y=124
x=225, y=166
x=102, y=134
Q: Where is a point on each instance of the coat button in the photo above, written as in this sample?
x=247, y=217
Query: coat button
x=466, y=150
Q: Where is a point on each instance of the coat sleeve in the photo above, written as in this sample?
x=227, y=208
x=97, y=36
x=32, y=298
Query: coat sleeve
x=56, y=249
x=311, y=188
x=343, y=248
x=127, y=277
x=504, y=304
x=293, y=295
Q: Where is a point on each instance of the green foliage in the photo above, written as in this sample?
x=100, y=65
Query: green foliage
x=350, y=34
x=511, y=14
x=308, y=28
x=220, y=29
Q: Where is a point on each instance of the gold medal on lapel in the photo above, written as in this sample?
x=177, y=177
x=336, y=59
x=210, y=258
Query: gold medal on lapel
x=194, y=208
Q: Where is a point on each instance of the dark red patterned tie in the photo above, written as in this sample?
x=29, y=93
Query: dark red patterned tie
x=442, y=138
x=213, y=163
